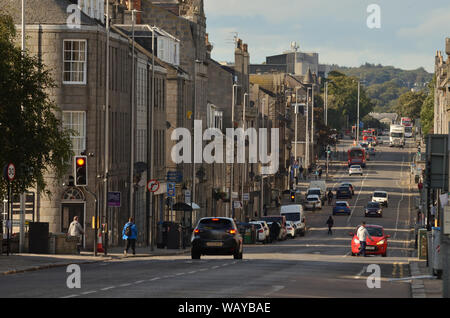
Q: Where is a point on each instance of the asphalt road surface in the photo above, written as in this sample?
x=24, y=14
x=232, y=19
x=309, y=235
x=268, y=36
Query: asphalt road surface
x=317, y=265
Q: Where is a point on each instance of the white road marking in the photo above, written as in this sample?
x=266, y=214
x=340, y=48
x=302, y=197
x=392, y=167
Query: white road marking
x=89, y=292
x=108, y=288
x=70, y=296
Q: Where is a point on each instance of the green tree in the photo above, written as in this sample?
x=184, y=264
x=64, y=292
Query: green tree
x=343, y=100
x=31, y=135
x=410, y=104
x=427, y=111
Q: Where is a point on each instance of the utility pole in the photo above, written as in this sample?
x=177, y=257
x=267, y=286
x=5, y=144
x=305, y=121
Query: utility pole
x=326, y=103
x=307, y=163
x=231, y=210
x=106, y=160
x=22, y=195
x=151, y=148
x=312, y=121
x=133, y=124
x=244, y=166
x=357, y=124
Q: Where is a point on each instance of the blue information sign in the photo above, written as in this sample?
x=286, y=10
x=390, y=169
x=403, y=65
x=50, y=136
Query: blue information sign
x=171, y=190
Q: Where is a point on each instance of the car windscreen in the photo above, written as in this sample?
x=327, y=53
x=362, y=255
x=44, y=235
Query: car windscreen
x=341, y=204
x=373, y=205
x=397, y=135
x=344, y=189
x=314, y=192
x=295, y=216
x=380, y=195
x=215, y=224
x=375, y=231
x=312, y=199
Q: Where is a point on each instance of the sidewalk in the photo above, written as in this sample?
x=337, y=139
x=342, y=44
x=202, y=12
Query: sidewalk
x=19, y=263
x=425, y=285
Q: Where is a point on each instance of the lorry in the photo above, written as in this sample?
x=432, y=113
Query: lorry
x=397, y=136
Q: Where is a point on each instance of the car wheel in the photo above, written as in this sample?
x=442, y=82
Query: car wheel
x=353, y=254
x=195, y=254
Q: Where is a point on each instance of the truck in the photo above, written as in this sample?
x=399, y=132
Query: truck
x=397, y=136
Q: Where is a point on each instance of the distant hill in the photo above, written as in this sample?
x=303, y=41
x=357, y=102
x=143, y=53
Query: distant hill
x=384, y=84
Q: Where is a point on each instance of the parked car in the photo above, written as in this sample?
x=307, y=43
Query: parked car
x=381, y=197
x=344, y=192
x=377, y=246
x=296, y=214
x=355, y=169
x=313, y=202
x=373, y=209
x=342, y=207
x=281, y=219
x=290, y=229
x=216, y=236
x=261, y=234
x=266, y=229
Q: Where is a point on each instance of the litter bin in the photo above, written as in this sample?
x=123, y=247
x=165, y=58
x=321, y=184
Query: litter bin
x=173, y=236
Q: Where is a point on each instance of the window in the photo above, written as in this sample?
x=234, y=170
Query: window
x=76, y=121
x=74, y=61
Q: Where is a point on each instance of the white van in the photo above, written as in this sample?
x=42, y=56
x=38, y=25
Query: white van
x=296, y=214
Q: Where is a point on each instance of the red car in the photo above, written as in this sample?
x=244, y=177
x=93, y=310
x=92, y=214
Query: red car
x=377, y=246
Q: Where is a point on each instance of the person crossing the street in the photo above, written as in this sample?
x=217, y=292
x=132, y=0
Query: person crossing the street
x=330, y=223
x=130, y=235
x=363, y=234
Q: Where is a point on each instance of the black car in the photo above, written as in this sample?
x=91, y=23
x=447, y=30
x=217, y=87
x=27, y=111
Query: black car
x=344, y=192
x=216, y=236
x=374, y=209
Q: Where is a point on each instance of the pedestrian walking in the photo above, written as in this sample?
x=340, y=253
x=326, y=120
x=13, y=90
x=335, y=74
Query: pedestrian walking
x=129, y=233
x=330, y=223
x=320, y=172
x=363, y=234
x=301, y=171
x=76, y=230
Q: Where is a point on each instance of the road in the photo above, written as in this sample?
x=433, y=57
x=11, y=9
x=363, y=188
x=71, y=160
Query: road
x=316, y=265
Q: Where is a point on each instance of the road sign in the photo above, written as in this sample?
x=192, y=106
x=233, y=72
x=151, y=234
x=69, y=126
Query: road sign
x=174, y=176
x=9, y=172
x=153, y=185
x=237, y=204
x=114, y=199
x=171, y=192
x=246, y=197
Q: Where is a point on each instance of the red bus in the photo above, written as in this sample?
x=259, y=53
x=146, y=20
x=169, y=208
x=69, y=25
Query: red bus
x=357, y=156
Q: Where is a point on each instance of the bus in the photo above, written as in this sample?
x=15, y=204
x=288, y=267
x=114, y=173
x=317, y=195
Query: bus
x=357, y=156
x=406, y=121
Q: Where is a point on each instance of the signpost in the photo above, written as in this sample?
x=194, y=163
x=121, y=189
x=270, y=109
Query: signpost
x=9, y=173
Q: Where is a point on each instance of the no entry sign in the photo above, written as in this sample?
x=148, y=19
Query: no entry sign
x=153, y=185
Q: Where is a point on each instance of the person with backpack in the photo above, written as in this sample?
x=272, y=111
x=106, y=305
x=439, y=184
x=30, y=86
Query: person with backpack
x=330, y=223
x=130, y=235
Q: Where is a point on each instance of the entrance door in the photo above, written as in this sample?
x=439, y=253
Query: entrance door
x=69, y=211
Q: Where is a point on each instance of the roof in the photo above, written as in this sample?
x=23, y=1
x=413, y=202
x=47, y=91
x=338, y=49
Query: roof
x=43, y=11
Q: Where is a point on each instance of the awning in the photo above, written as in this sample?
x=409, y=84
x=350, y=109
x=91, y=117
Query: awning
x=181, y=206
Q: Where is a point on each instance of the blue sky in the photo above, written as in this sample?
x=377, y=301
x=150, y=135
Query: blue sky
x=411, y=30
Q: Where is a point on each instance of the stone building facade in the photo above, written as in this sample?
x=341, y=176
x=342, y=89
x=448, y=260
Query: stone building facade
x=442, y=92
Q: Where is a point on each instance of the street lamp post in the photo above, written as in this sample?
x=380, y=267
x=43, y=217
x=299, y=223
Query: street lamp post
x=357, y=124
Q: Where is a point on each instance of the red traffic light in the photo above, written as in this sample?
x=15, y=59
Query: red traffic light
x=81, y=162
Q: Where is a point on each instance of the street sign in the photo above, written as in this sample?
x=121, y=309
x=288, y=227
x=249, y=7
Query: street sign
x=237, y=204
x=174, y=176
x=171, y=190
x=187, y=196
x=153, y=185
x=9, y=172
x=114, y=199
x=246, y=197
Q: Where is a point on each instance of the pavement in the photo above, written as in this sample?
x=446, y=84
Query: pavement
x=423, y=283
x=20, y=263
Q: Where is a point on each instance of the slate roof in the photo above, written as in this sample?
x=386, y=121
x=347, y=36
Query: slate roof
x=42, y=11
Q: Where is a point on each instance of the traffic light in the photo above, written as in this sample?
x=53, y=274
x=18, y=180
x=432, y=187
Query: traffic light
x=81, y=179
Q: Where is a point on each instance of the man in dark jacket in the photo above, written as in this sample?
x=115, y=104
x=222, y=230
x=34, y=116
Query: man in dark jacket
x=330, y=223
x=130, y=235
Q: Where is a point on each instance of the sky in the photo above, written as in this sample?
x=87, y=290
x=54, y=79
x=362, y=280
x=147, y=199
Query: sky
x=410, y=33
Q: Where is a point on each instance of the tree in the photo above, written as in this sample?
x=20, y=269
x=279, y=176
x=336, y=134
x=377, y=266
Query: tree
x=343, y=100
x=410, y=104
x=427, y=111
x=31, y=135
